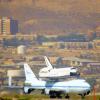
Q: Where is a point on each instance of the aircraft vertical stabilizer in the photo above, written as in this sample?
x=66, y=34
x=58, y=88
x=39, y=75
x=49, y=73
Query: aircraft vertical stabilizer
x=48, y=63
x=30, y=76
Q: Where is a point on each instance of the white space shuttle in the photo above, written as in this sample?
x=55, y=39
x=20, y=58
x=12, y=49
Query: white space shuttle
x=55, y=89
x=51, y=72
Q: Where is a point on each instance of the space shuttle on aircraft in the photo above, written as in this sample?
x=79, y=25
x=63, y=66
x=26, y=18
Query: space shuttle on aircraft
x=55, y=89
x=52, y=72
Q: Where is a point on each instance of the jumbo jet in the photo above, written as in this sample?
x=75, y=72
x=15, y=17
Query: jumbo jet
x=55, y=88
x=52, y=72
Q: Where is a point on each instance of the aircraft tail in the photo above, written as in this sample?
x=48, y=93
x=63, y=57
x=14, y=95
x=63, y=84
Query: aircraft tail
x=30, y=76
x=48, y=63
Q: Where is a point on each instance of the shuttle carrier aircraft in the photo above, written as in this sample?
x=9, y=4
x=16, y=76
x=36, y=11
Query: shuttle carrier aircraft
x=55, y=89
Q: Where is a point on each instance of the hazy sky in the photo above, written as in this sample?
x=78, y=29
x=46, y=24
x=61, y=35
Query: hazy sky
x=53, y=16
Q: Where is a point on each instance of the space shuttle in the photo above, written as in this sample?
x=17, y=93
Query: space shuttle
x=52, y=72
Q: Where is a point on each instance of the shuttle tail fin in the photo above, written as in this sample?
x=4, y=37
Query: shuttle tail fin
x=48, y=63
x=30, y=76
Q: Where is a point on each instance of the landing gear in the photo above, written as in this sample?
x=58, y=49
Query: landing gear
x=54, y=94
x=58, y=94
x=43, y=92
x=67, y=96
x=82, y=95
x=27, y=90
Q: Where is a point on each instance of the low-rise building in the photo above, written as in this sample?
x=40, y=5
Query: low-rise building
x=69, y=45
x=97, y=43
x=74, y=61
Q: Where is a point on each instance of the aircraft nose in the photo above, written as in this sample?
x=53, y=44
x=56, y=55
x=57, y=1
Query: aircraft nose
x=91, y=82
x=89, y=86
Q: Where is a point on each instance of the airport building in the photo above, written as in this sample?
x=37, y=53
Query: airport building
x=69, y=45
x=8, y=26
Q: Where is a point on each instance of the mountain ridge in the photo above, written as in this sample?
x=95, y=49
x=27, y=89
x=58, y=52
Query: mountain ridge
x=49, y=16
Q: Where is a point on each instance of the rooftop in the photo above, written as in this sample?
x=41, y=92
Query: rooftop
x=78, y=59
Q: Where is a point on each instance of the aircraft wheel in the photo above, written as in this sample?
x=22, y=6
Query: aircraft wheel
x=88, y=92
x=43, y=92
x=52, y=94
x=82, y=96
x=58, y=94
x=67, y=96
x=28, y=91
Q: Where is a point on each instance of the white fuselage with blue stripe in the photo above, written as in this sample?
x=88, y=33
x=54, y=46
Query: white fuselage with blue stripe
x=75, y=85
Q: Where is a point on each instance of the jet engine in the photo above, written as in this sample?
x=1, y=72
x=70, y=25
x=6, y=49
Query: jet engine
x=27, y=90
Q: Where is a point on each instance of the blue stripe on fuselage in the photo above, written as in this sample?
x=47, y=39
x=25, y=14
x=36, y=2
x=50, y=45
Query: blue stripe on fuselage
x=62, y=86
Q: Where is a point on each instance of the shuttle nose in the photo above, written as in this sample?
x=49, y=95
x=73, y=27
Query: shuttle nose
x=74, y=73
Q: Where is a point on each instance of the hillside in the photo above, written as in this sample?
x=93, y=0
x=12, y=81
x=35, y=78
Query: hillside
x=53, y=16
